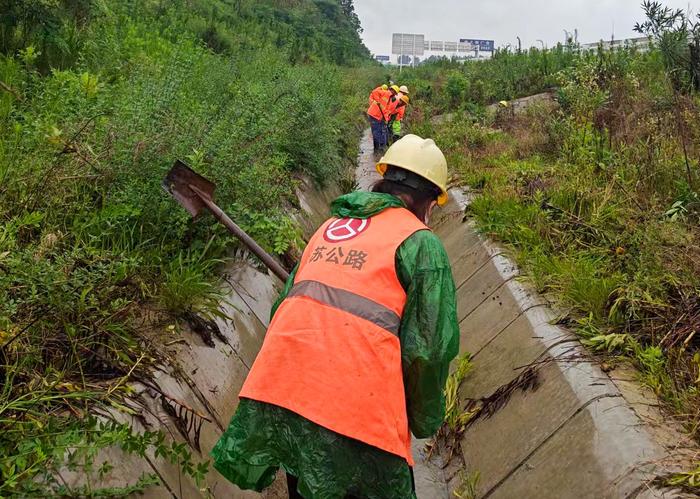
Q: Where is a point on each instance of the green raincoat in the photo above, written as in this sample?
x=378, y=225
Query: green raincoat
x=261, y=437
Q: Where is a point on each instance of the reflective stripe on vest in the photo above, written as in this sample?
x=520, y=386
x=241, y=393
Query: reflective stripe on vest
x=349, y=302
x=332, y=352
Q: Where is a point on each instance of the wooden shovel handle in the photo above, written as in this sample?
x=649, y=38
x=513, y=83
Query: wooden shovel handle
x=234, y=229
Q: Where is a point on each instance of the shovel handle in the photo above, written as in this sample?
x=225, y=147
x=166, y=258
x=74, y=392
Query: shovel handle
x=234, y=229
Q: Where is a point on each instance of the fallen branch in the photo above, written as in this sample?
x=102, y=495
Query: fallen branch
x=528, y=380
x=11, y=90
x=21, y=331
x=188, y=421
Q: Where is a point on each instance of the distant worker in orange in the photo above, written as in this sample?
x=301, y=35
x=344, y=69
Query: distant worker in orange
x=379, y=93
x=378, y=117
x=358, y=349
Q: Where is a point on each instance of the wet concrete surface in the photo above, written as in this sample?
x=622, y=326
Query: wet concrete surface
x=366, y=174
x=571, y=435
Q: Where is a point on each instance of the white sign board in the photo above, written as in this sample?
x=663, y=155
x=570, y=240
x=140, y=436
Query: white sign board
x=407, y=44
x=466, y=47
x=451, y=46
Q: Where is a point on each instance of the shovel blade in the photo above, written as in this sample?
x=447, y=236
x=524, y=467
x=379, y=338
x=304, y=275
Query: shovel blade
x=177, y=183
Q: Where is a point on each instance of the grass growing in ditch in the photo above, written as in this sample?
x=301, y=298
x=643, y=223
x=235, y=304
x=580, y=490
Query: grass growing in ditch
x=467, y=488
x=455, y=418
x=97, y=99
x=596, y=194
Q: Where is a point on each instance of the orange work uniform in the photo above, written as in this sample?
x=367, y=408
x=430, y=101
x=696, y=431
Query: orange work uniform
x=332, y=352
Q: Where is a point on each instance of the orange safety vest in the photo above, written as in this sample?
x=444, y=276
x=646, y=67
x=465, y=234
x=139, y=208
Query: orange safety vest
x=332, y=352
x=378, y=94
x=376, y=112
x=394, y=109
x=382, y=97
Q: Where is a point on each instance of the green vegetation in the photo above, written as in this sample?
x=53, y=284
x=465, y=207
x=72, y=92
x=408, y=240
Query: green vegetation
x=444, y=86
x=468, y=485
x=97, y=98
x=595, y=189
x=689, y=481
x=455, y=418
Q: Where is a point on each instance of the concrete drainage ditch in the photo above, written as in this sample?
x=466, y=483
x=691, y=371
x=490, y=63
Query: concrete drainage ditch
x=572, y=434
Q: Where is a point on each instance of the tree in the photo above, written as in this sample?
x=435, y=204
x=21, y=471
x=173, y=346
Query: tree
x=349, y=11
x=678, y=37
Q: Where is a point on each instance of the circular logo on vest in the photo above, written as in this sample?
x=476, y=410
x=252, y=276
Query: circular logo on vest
x=345, y=229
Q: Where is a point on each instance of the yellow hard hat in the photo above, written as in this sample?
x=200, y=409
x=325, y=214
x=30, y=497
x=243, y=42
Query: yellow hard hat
x=503, y=103
x=405, y=98
x=385, y=87
x=403, y=89
x=420, y=156
x=395, y=88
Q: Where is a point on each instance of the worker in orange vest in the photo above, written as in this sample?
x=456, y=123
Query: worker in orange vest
x=358, y=349
x=378, y=117
x=378, y=93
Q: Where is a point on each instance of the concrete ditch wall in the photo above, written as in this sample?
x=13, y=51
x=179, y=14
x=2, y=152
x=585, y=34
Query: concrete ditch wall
x=573, y=436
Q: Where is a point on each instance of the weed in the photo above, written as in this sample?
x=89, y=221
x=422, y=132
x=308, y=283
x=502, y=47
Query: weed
x=688, y=480
x=189, y=284
x=96, y=100
x=468, y=486
x=455, y=417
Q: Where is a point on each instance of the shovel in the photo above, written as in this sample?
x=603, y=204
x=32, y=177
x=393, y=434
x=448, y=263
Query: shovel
x=195, y=193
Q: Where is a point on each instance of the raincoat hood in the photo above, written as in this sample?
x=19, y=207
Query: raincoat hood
x=364, y=204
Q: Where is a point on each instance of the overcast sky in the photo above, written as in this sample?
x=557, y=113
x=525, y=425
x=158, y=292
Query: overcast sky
x=500, y=20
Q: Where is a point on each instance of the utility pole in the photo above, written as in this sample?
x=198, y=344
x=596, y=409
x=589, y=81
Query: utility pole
x=413, y=56
x=612, y=35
